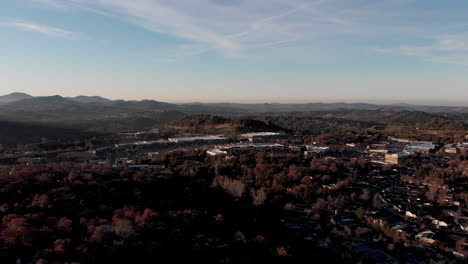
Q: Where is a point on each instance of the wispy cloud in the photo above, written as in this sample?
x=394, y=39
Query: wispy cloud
x=447, y=49
x=236, y=27
x=211, y=25
x=46, y=30
x=404, y=50
x=51, y=3
x=460, y=59
x=453, y=42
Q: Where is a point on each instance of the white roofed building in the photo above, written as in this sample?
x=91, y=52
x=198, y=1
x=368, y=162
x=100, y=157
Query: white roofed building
x=420, y=147
x=195, y=138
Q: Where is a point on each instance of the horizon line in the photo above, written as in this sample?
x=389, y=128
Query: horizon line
x=377, y=101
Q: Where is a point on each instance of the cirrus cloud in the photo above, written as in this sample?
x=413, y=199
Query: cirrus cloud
x=234, y=27
x=42, y=29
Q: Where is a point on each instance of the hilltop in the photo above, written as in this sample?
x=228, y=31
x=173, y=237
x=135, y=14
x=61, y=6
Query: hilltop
x=14, y=97
x=209, y=124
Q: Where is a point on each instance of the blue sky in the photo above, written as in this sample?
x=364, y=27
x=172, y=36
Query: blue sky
x=412, y=51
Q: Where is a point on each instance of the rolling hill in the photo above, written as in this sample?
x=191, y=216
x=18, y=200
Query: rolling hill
x=14, y=97
x=209, y=124
x=98, y=113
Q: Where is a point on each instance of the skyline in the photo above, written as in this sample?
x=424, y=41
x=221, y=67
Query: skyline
x=408, y=51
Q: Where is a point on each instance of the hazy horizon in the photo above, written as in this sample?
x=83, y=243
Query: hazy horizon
x=259, y=101
x=257, y=51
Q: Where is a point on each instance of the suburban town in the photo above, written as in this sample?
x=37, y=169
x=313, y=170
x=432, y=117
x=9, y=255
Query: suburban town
x=368, y=197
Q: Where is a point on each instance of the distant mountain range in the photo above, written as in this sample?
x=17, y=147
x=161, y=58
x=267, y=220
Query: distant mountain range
x=24, y=107
x=26, y=99
x=14, y=97
x=25, y=118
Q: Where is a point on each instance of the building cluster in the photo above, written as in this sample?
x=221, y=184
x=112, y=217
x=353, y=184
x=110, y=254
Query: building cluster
x=456, y=148
x=422, y=147
x=410, y=200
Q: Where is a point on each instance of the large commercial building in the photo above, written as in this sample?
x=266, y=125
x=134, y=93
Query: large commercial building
x=420, y=147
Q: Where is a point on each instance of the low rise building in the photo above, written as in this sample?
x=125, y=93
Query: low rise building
x=410, y=215
x=258, y=136
x=140, y=166
x=148, y=134
x=396, y=158
x=451, y=150
x=315, y=149
x=402, y=140
x=294, y=148
x=426, y=237
x=381, y=151
x=216, y=152
x=196, y=138
x=439, y=224
x=140, y=143
x=152, y=154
